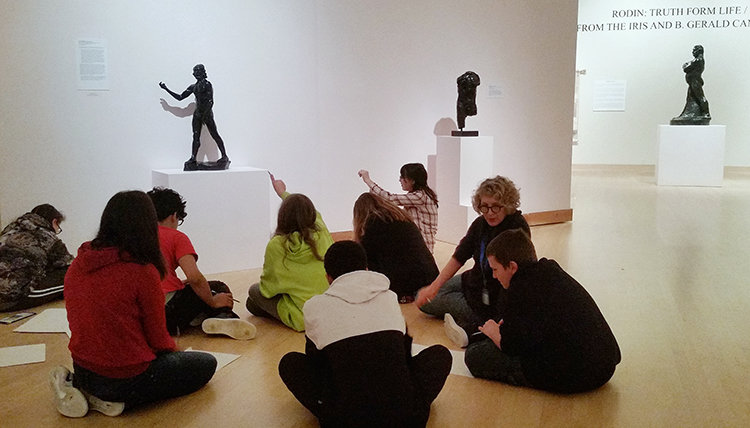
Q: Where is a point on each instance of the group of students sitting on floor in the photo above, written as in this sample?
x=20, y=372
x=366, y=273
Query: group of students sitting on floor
x=522, y=321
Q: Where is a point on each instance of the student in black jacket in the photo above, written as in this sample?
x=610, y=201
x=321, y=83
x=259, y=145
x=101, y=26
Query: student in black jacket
x=552, y=335
x=394, y=245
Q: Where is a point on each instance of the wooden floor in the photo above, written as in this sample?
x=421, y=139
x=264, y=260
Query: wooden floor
x=668, y=266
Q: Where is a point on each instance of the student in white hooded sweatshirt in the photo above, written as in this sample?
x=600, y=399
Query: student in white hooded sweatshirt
x=357, y=369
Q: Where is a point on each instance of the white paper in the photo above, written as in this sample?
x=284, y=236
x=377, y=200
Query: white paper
x=52, y=320
x=221, y=358
x=458, y=367
x=91, y=59
x=26, y=354
x=609, y=95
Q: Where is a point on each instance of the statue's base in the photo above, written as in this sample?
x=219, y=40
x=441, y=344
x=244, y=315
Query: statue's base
x=219, y=165
x=238, y=195
x=463, y=133
x=680, y=120
x=690, y=155
x=460, y=163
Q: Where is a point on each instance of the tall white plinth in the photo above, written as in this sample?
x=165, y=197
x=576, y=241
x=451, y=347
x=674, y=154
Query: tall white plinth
x=461, y=164
x=453, y=221
x=228, y=215
x=690, y=155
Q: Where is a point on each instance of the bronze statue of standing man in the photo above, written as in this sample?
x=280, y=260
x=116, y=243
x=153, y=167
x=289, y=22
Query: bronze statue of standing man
x=696, y=105
x=204, y=101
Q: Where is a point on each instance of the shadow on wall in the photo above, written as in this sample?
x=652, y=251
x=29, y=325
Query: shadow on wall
x=178, y=111
x=208, y=150
x=444, y=126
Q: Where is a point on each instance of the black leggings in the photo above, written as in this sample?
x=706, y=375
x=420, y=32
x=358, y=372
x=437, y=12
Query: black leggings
x=429, y=370
x=185, y=306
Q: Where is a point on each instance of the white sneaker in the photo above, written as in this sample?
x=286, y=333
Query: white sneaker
x=232, y=327
x=109, y=408
x=68, y=400
x=454, y=332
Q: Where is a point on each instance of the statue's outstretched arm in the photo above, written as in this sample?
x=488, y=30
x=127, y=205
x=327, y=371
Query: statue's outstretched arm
x=179, y=97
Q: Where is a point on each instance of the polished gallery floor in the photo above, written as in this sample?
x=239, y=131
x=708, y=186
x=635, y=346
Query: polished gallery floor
x=668, y=266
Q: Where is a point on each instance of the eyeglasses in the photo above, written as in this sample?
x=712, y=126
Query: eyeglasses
x=180, y=221
x=484, y=209
x=59, y=230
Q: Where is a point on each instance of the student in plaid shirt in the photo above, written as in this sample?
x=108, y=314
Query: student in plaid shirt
x=420, y=201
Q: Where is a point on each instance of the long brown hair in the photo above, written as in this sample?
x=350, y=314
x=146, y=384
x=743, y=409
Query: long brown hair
x=417, y=173
x=297, y=214
x=129, y=224
x=370, y=206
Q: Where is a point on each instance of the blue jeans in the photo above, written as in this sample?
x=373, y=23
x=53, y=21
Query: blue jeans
x=450, y=300
x=171, y=374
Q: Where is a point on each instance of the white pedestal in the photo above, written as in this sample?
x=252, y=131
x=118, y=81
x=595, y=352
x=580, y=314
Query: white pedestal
x=453, y=221
x=461, y=164
x=228, y=215
x=690, y=155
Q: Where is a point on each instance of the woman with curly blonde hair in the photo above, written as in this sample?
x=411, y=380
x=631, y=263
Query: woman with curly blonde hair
x=466, y=301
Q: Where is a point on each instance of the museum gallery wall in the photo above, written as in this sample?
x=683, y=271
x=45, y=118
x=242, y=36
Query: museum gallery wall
x=311, y=90
x=643, y=45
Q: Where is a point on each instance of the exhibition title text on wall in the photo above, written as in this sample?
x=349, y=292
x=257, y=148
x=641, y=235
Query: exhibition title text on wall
x=664, y=19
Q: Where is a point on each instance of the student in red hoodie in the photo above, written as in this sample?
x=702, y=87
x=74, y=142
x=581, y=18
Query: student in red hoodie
x=122, y=353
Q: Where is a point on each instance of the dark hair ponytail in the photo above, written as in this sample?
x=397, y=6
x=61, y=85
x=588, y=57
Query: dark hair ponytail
x=417, y=173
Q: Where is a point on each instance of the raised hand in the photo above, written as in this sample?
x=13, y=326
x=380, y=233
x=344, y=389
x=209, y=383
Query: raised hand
x=278, y=185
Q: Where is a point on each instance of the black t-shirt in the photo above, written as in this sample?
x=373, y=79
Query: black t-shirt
x=397, y=250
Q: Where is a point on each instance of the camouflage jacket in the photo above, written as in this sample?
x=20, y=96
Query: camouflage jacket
x=28, y=247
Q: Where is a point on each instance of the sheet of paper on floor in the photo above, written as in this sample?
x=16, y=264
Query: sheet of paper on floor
x=52, y=320
x=25, y=354
x=458, y=368
x=221, y=358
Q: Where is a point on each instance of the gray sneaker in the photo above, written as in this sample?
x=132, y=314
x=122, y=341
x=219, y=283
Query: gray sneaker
x=454, y=332
x=68, y=400
x=109, y=408
x=232, y=327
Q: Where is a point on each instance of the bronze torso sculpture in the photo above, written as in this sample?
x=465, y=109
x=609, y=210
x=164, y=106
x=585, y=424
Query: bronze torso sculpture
x=466, y=104
x=696, y=106
x=204, y=100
